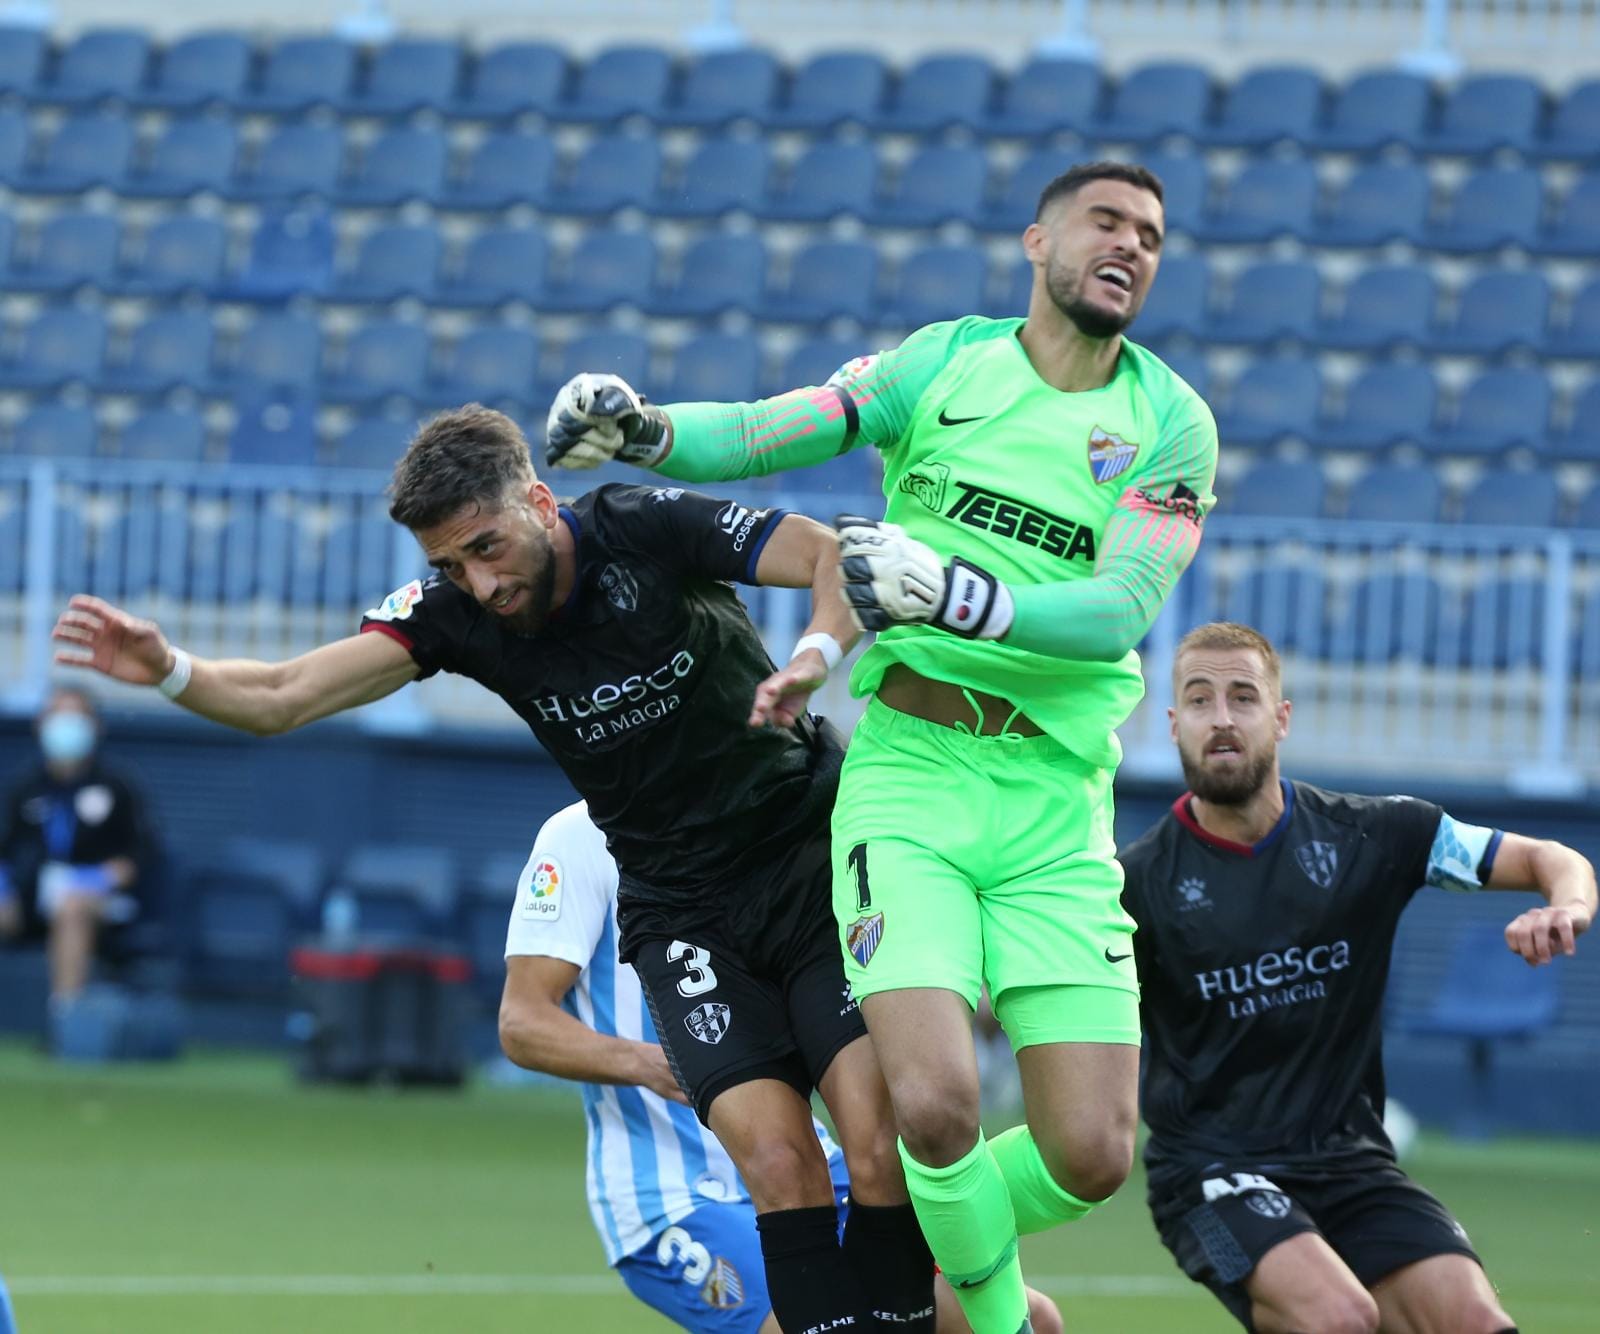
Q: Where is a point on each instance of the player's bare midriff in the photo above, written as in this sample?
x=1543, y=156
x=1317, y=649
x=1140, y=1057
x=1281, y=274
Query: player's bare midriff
x=908, y=691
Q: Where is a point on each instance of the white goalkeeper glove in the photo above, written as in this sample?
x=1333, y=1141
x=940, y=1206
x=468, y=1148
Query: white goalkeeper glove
x=596, y=418
x=891, y=579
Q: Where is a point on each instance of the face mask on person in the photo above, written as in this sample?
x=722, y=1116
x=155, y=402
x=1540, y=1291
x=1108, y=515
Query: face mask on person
x=67, y=738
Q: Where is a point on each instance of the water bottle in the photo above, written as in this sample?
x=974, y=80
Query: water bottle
x=339, y=913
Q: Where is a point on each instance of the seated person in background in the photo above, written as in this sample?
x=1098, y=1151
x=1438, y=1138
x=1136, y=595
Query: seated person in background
x=73, y=841
x=677, y=1224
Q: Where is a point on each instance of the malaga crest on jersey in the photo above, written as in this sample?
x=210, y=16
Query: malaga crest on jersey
x=1109, y=455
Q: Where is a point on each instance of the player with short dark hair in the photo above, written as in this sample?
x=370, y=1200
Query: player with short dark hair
x=611, y=627
x=1047, y=479
x=1267, y=912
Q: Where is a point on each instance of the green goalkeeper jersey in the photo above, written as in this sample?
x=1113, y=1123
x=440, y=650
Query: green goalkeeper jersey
x=1087, y=505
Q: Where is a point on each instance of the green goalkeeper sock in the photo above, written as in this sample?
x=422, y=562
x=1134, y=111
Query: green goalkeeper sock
x=965, y=1212
x=1037, y=1202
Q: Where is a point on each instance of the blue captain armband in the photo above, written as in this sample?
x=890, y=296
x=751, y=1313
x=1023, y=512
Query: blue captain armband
x=1462, y=855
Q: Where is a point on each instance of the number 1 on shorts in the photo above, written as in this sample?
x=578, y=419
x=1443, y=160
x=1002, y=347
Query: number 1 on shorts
x=857, y=862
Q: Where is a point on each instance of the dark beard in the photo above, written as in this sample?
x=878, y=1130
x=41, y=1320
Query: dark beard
x=541, y=589
x=1226, y=789
x=1091, y=321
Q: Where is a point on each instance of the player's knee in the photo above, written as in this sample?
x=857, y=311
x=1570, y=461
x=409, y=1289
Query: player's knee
x=1347, y=1311
x=1091, y=1166
x=1483, y=1315
x=783, y=1173
x=938, y=1122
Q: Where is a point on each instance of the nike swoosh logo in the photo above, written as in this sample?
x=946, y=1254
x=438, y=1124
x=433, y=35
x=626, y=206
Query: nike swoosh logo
x=1116, y=958
x=956, y=421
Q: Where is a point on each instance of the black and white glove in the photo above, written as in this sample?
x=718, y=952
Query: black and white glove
x=891, y=579
x=596, y=418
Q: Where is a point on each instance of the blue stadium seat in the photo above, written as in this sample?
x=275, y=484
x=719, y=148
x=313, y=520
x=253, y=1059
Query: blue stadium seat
x=1575, y=228
x=164, y=435
x=1574, y=126
x=936, y=282
x=512, y=79
x=605, y=269
x=1387, y=404
x=938, y=92
x=278, y=351
x=1272, y=300
x=1176, y=302
x=508, y=167
x=1495, y=206
x=196, y=71
x=721, y=176
x=1183, y=187
x=846, y=483
x=168, y=351
x=22, y=56
x=1390, y=616
x=239, y=930
x=99, y=64
x=405, y=162
x=91, y=148
x=61, y=346
x=1272, y=399
x=72, y=250
x=718, y=273
x=1374, y=110
x=722, y=86
x=490, y=364
x=299, y=159
x=1266, y=106
x=941, y=183
x=1504, y=407
x=401, y=889
x=1284, y=600
x=829, y=179
x=1013, y=207
x=1265, y=200
x=715, y=368
x=827, y=280
x=393, y=261
x=382, y=359
x=1383, y=308
x=624, y=354
x=56, y=431
x=1513, y=496
x=1408, y=493
x=13, y=140
x=1278, y=489
x=407, y=75
x=273, y=427
x=1580, y=441
x=812, y=361
x=1587, y=516
x=1044, y=96
x=1499, y=310
x=1502, y=620
x=1190, y=366
x=291, y=254
x=1485, y=112
x=358, y=553
x=302, y=72
x=1380, y=202
x=500, y=266
x=191, y=155
x=1017, y=293
x=831, y=88
x=615, y=171
x=373, y=442
x=1156, y=100
x=619, y=81
x=1580, y=336
x=486, y=899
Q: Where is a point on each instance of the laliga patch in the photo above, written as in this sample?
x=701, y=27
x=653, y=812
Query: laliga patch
x=854, y=371
x=863, y=936
x=1109, y=455
x=397, y=606
x=542, y=902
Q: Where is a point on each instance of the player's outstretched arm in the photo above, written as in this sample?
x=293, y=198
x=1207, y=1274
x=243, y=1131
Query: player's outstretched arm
x=264, y=698
x=1565, y=878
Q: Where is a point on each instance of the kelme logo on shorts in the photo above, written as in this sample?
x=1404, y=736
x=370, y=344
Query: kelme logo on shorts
x=927, y=483
x=862, y=937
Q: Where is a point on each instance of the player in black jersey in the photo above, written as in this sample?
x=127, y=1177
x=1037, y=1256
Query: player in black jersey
x=612, y=628
x=1266, y=912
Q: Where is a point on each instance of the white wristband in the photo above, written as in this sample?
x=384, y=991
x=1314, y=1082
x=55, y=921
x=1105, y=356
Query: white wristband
x=177, y=680
x=825, y=644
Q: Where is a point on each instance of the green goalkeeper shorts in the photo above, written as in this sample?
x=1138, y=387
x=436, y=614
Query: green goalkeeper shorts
x=960, y=860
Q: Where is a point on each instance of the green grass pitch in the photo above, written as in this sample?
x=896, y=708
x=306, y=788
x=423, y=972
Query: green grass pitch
x=217, y=1195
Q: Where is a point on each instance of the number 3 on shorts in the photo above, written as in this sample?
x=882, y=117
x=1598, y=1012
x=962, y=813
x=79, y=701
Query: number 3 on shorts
x=698, y=962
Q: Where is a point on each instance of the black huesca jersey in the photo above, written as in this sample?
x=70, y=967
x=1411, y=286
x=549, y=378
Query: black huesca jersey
x=640, y=687
x=1262, y=969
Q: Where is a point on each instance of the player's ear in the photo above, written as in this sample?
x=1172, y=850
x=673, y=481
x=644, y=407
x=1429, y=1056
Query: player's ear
x=1033, y=240
x=1285, y=708
x=1172, y=723
x=543, y=500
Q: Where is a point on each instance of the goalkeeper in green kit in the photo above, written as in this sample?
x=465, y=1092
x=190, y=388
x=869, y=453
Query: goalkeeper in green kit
x=1046, y=481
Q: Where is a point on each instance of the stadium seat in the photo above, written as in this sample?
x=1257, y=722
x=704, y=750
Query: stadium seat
x=1285, y=600
x=722, y=86
x=272, y=427
x=1273, y=399
x=619, y=81
x=941, y=183
x=300, y=73
x=1392, y=615
x=1266, y=106
x=1502, y=622
x=168, y=351
x=164, y=435
x=22, y=58
x=624, y=354
x=1379, y=203
x=99, y=64
x=605, y=269
x=1587, y=516
x=291, y=254
x=382, y=359
x=1176, y=301
x=1408, y=493
x=829, y=179
x=1017, y=291
x=61, y=346
x=393, y=261
x=512, y=79
x=1573, y=129
x=239, y=931
x=1267, y=199
x=56, y=431
x=403, y=163
x=715, y=368
x=812, y=361
x=1575, y=229
x=615, y=171
x=298, y=159
x=1045, y=96
x=485, y=907
x=278, y=351
x=936, y=282
x=1273, y=300
x=1387, y=404
x=192, y=155
x=400, y=889
x=1485, y=112
x=1190, y=366
x=197, y=71
x=1579, y=337
x=718, y=273
x=13, y=141
x=831, y=88
x=1493, y=207
x=1499, y=310
x=1504, y=407
x=407, y=75
x=1374, y=110
x=490, y=364
x=500, y=266
x=72, y=250
x=827, y=280
x=721, y=176
x=1183, y=187
x=1014, y=207
x=89, y=149
x=1277, y=489
x=936, y=93
x=1156, y=100
x=1580, y=441
x=1513, y=496
x=373, y=442
x=1383, y=308
x=508, y=167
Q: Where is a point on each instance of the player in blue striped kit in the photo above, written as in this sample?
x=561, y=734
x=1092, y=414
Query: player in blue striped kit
x=672, y=1212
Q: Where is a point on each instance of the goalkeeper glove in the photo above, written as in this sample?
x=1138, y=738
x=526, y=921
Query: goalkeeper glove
x=597, y=418
x=892, y=579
